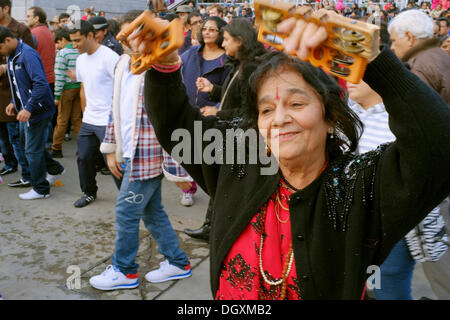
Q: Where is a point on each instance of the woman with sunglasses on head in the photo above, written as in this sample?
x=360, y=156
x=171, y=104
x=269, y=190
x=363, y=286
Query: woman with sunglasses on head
x=205, y=60
x=241, y=45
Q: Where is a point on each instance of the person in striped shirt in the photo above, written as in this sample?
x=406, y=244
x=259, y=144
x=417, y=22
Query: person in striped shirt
x=369, y=107
x=67, y=92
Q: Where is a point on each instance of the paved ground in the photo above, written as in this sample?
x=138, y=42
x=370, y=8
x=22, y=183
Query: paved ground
x=44, y=242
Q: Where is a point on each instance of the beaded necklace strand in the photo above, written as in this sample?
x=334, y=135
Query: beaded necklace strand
x=290, y=256
x=277, y=205
x=287, y=264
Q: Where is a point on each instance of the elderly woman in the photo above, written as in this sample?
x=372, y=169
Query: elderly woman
x=316, y=228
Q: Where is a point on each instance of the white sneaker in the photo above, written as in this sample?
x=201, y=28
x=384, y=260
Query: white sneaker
x=112, y=279
x=187, y=200
x=33, y=195
x=53, y=178
x=168, y=272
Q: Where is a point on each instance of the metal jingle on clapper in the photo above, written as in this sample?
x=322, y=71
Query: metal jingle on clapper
x=340, y=58
x=352, y=36
x=351, y=47
x=342, y=71
x=271, y=18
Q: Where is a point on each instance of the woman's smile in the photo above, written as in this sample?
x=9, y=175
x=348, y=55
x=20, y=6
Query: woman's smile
x=287, y=136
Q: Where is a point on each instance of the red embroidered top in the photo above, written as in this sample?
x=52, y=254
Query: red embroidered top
x=241, y=277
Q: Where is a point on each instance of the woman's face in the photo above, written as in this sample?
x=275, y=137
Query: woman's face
x=210, y=32
x=291, y=116
x=230, y=44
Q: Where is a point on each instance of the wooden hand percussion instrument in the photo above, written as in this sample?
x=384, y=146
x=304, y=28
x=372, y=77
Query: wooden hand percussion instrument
x=165, y=40
x=346, y=52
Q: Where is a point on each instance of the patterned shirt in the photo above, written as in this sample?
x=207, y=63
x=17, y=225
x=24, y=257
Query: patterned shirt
x=66, y=59
x=149, y=159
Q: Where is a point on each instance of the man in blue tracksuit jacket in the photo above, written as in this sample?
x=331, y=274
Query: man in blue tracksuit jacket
x=34, y=104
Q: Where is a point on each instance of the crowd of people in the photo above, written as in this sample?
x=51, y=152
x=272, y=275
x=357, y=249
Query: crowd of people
x=363, y=166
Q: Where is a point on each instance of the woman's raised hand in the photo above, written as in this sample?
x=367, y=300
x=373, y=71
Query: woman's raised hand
x=142, y=43
x=303, y=36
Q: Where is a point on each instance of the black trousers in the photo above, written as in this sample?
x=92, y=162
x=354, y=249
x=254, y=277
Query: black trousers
x=89, y=139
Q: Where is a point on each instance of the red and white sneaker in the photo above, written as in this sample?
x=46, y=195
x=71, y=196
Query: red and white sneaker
x=168, y=272
x=113, y=279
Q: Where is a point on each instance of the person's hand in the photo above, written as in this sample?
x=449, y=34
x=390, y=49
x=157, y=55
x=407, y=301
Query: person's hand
x=303, y=36
x=208, y=111
x=142, y=44
x=204, y=85
x=114, y=166
x=72, y=74
x=2, y=69
x=23, y=115
x=56, y=103
x=195, y=30
x=10, y=110
x=195, y=42
x=185, y=186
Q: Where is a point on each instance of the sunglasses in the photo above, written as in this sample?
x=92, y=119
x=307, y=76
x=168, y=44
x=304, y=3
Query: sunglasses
x=204, y=29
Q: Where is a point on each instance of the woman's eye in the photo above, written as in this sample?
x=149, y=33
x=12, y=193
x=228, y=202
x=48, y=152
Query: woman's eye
x=265, y=110
x=297, y=104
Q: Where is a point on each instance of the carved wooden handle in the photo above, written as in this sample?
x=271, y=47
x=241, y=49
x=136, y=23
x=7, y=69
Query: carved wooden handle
x=345, y=54
x=165, y=40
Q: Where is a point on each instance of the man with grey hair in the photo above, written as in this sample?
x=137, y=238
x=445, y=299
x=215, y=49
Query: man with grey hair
x=412, y=41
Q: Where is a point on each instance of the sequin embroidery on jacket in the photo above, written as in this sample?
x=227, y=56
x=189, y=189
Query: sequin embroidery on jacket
x=341, y=181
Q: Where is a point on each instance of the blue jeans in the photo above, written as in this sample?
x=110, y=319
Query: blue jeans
x=396, y=274
x=39, y=160
x=18, y=143
x=136, y=200
x=6, y=148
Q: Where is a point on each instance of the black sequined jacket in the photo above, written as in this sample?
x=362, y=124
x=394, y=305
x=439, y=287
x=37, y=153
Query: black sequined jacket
x=351, y=216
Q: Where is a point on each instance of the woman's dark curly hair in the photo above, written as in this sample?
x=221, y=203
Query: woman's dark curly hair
x=242, y=29
x=220, y=23
x=346, y=123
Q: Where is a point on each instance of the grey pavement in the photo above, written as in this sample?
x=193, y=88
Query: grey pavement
x=45, y=243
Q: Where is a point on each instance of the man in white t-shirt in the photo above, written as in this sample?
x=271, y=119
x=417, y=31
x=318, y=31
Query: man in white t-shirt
x=95, y=70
